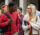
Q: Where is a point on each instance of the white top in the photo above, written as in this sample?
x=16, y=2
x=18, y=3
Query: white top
x=25, y=28
x=35, y=26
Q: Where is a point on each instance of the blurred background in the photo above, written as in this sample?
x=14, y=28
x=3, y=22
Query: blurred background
x=22, y=3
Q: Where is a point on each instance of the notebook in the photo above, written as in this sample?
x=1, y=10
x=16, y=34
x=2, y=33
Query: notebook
x=26, y=23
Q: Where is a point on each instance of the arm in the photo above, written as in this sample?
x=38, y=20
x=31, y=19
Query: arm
x=4, y=21
x=17, y=23
x=34, y=25
x=25, y=27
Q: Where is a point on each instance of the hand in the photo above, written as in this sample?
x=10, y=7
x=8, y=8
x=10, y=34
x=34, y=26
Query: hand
x=29, y=26
x=30, y=20
x=9, y=21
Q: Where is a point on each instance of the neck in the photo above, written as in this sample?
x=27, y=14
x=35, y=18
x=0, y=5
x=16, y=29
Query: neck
x=30, y=14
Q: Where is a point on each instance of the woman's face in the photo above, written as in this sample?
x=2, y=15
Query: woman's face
x=19, y=11
x=29, y=9
x=2, y=8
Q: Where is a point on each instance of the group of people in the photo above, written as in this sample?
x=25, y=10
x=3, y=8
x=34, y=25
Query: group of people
x=31, y=21
x=13, y=22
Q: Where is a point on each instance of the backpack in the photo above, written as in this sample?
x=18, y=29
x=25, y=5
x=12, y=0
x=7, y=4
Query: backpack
x=4, y=29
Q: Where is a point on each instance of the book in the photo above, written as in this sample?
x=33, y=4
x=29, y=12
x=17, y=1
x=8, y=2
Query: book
x=26, y=23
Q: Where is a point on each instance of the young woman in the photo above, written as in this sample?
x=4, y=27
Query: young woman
x=35, y=21
x=26, y=26
x=19, y=11
x=31, y=20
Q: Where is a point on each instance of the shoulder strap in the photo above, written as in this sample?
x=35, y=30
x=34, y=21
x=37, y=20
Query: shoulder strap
x=9, y=18
x=7, y=15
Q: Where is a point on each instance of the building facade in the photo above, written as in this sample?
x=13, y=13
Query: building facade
x=23, y=3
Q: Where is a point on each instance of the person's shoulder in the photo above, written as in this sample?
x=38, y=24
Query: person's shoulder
x=37, y=17
x=22, y=15
x=3, y=15
x=15, y=13
x=25, y=17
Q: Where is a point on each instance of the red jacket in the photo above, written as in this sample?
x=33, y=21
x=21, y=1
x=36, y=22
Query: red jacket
x=14, y=23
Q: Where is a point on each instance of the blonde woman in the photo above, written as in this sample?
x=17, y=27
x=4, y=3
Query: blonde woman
x=31, y=20
x=35, y=21
x=26, y=26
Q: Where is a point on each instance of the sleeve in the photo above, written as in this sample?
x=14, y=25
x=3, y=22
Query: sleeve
x=38, y=22
x=17, y=23
x=35, y=25
x=23, y=26
x=4, y=21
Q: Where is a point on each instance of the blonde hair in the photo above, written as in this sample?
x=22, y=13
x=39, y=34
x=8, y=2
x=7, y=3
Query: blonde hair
x=33, y=8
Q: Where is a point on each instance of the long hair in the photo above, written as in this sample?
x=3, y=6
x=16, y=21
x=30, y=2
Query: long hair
x=33, y=7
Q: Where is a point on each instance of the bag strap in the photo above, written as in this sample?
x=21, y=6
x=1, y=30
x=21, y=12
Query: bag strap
x=7, y=15
x=39, y=32
x=9, y=18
